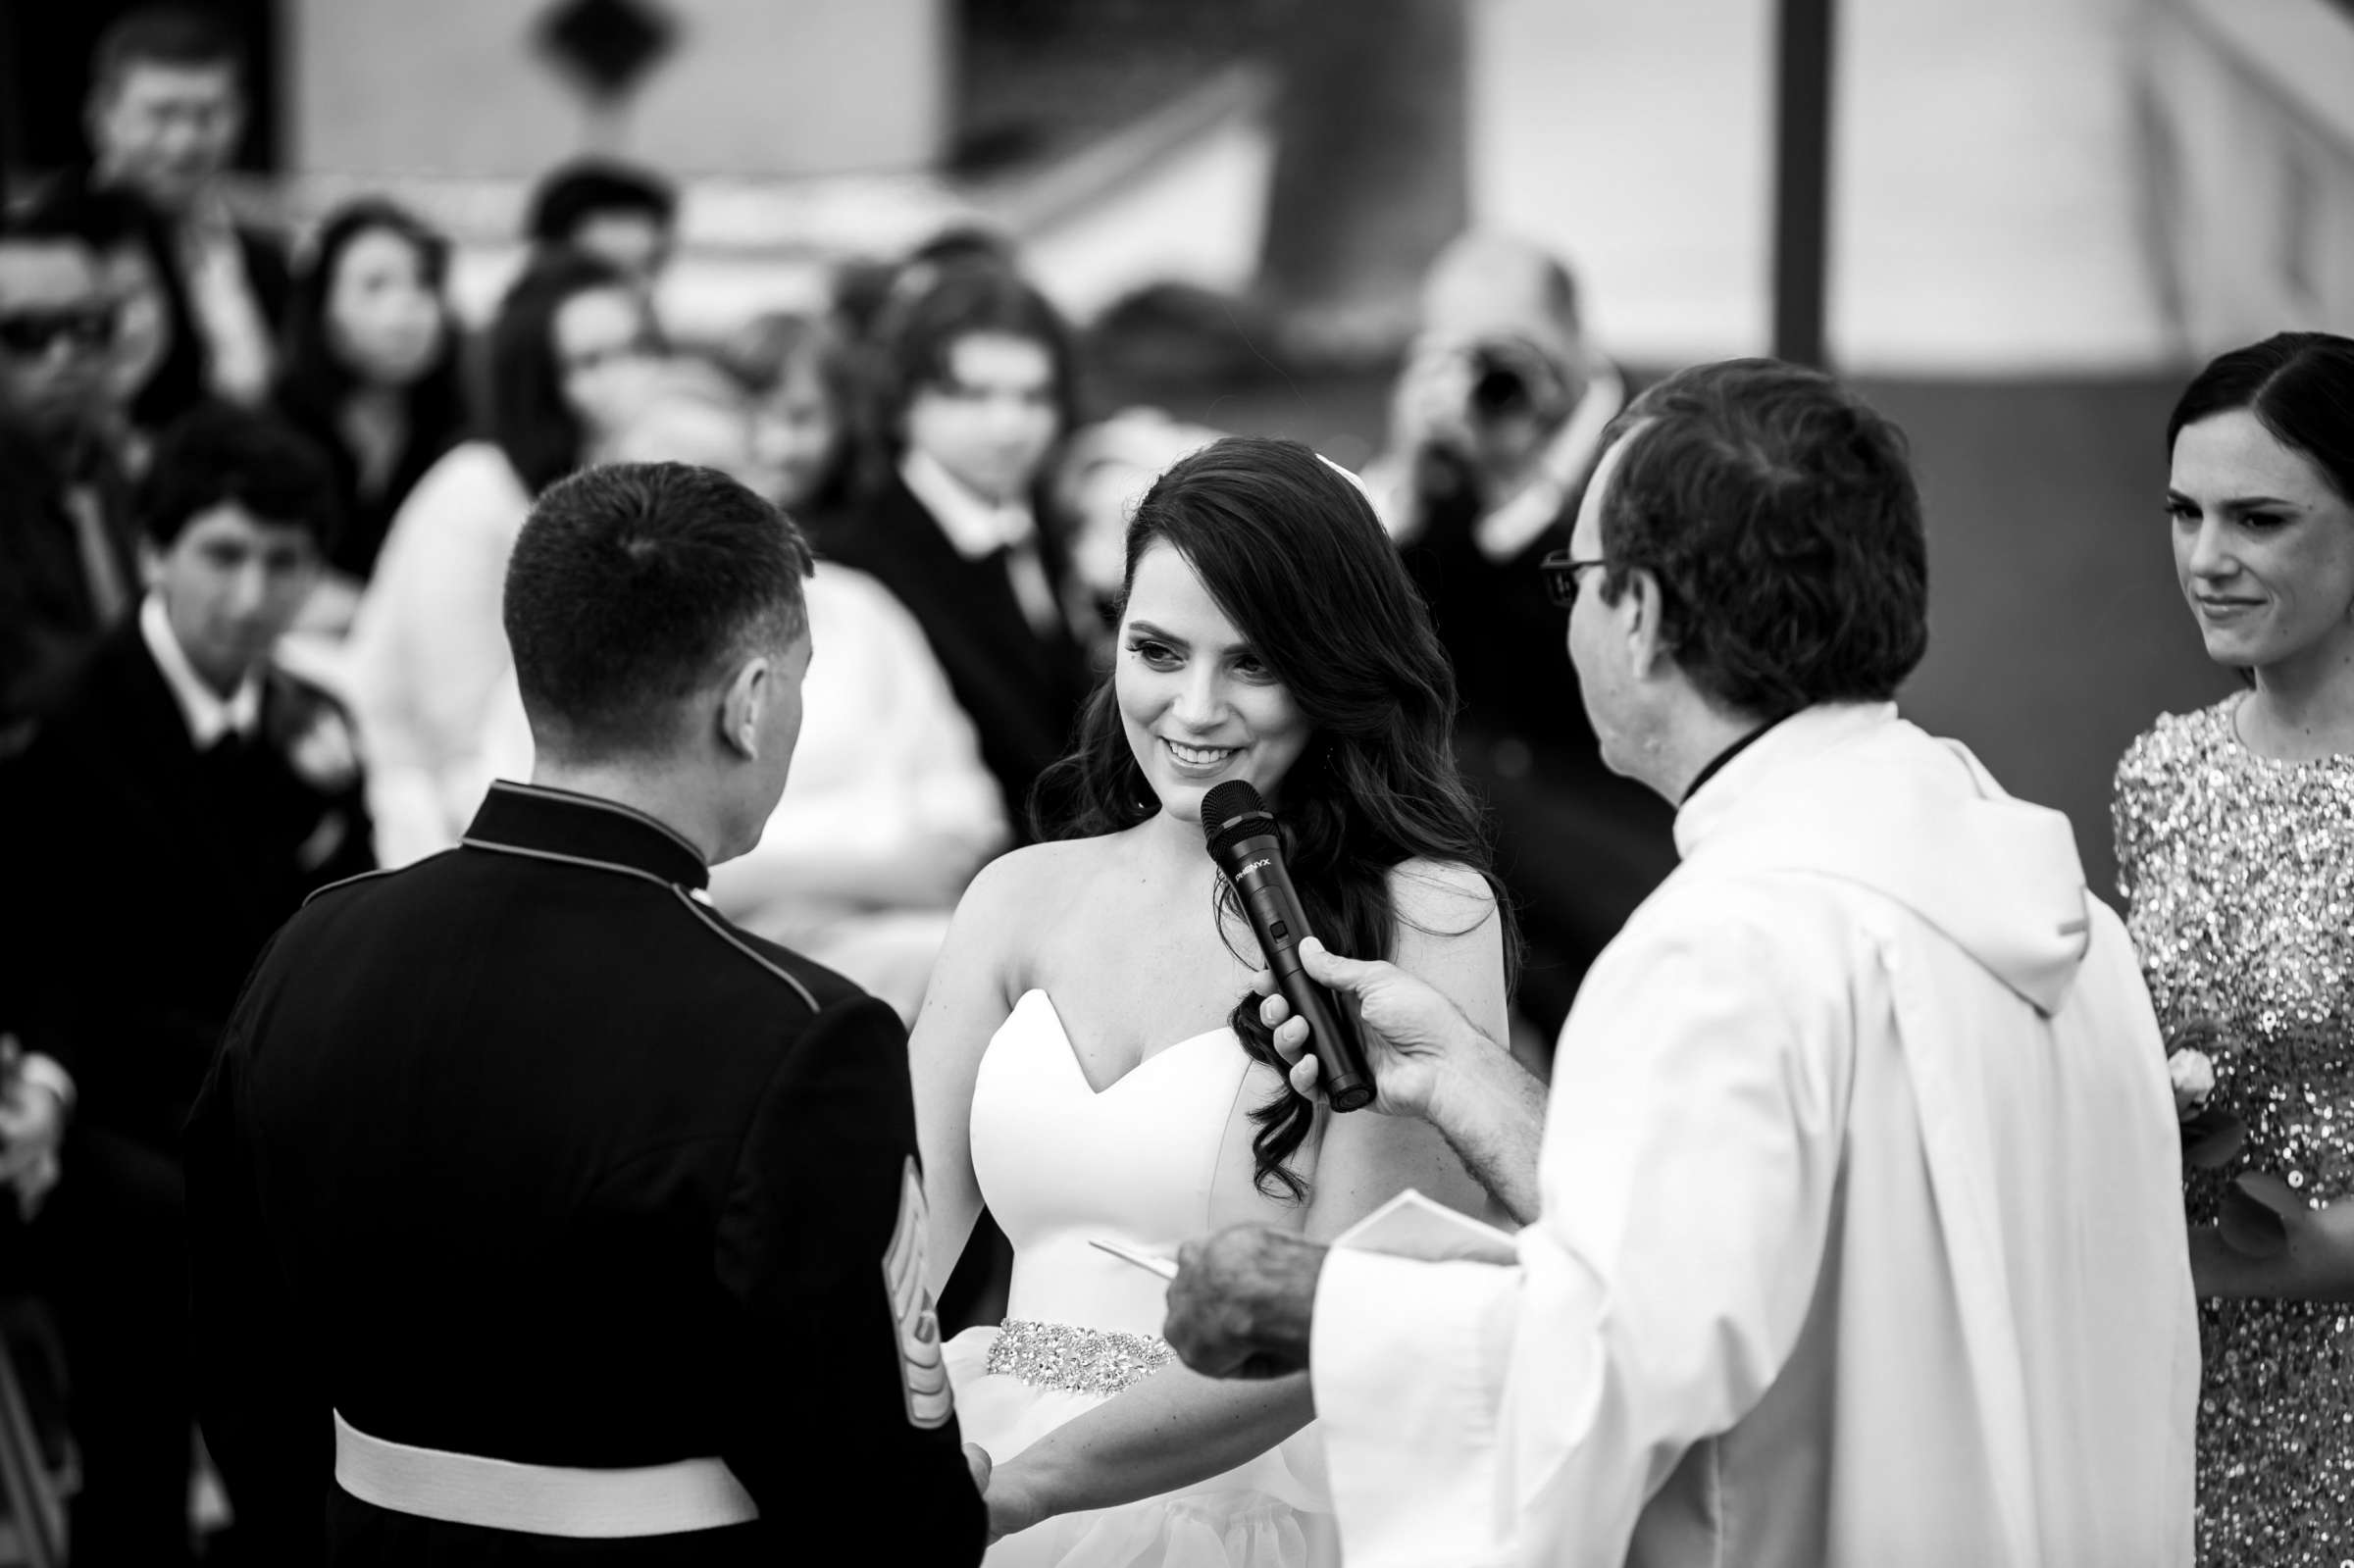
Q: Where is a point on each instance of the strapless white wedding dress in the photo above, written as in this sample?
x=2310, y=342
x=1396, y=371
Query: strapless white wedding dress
x=1158, y=1158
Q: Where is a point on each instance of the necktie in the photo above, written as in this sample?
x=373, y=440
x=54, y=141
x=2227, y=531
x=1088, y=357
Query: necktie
x=1028, y=574
x=100, y=568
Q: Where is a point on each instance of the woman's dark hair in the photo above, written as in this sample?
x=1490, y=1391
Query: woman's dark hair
x=528, y=415
x=1778, y=516
x=313, y=375
x=920, y=330
x=2299, y=386
x=1293, y=554
x=315, y=382
x=764, y=357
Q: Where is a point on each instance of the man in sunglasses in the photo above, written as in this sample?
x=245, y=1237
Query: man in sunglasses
x=67, y=557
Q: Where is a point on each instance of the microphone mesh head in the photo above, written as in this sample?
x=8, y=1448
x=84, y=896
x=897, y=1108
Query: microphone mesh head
x=1224, y=804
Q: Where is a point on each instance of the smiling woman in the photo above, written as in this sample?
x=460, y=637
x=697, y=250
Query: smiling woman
x=2232, y=844
x=1091, y=1063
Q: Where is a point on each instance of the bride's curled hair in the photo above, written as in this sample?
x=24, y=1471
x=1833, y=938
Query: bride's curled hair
x=1288, y=547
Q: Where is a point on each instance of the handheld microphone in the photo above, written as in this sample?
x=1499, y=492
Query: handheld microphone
x=1244, y=842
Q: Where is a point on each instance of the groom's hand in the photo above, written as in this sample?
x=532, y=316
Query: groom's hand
x=1243, y=1301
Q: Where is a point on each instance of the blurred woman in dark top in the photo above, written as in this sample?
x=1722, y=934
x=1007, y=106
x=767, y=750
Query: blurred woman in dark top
x=371, y=367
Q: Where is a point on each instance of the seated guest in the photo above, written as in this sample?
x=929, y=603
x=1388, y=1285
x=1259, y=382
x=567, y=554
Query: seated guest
x=123, y=233
x=371, y=372
x=167, y=110
x=804, y=384
x=616, y=212
x=67, y=569
x=1495, y=426
x=189, y=790
x=889, y=811
x=977, y=389
x=567, y=356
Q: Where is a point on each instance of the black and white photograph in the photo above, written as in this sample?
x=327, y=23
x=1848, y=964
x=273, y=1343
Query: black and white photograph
x=1177, y=784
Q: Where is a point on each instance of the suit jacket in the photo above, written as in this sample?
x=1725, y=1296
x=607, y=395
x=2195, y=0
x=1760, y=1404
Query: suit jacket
x=524, y=1151
x=48, y=621
x=195, y=859
x=1022, y=691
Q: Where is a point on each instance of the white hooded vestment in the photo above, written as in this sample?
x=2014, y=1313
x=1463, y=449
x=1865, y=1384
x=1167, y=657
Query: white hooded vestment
x=1862, y=1243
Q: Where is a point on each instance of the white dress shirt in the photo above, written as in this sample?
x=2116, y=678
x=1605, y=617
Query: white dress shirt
x=977, y=527
x=1861, y=1240
x=208, y=714
x=428, y=658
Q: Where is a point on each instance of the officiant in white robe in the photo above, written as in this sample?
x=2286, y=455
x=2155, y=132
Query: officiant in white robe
x=1855, y=1231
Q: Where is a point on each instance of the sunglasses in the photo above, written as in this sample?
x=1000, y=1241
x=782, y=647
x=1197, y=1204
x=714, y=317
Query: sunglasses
x=1560, y=570
x=31, y=334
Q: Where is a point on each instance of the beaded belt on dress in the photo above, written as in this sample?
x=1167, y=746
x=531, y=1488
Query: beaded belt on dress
x=1073, y=1359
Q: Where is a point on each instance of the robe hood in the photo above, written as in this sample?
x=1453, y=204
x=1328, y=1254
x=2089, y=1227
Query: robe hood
x=1858, y=794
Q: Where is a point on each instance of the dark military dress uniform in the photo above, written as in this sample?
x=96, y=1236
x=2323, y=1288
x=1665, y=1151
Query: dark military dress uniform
x=524, y=1155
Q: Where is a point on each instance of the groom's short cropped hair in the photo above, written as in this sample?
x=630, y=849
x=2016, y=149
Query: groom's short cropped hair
x=637, y=586
x=1779, y=513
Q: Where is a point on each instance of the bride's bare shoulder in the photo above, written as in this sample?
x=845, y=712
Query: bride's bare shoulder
x=1032, y=879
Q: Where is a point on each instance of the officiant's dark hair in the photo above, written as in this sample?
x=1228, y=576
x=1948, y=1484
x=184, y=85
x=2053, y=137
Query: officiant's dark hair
x=1778, y=513
x=634, y=586
x=1290, y=549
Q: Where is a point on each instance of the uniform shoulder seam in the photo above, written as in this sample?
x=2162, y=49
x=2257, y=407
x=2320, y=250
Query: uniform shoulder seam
x=346, y=881
x=712, y=923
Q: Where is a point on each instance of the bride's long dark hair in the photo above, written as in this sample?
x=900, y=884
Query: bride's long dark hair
x=1293, y=554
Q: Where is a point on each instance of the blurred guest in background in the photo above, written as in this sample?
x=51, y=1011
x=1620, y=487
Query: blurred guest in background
x=2235, y=851
x=1495, y=426
x=978, y=386
x=370, y=374
x=568, y=358
x=165, y=112
x=616, y=212
x=124, y=237
x=66, y=568
x=1104, y=471
x=805, y=382
x=187, y=788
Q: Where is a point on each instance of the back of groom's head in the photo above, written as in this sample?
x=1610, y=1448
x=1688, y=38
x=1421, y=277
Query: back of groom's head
x=637, y=589
x=1779, y=513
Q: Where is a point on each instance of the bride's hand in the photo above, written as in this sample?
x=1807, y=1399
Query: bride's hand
x=1410, y=1030
x=1011, y=1505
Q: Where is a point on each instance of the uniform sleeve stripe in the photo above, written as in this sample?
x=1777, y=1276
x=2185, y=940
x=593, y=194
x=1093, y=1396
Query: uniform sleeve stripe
x=719, y=928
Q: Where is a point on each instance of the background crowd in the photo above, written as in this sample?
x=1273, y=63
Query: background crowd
x=256, y=503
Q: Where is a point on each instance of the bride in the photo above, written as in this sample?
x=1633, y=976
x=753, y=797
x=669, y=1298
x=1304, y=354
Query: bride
x=1090, y=1062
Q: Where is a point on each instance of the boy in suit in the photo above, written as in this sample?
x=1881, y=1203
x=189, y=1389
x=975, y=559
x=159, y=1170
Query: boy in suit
x=186, y=789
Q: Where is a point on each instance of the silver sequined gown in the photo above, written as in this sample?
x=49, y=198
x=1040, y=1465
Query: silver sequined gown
x=2238, y=874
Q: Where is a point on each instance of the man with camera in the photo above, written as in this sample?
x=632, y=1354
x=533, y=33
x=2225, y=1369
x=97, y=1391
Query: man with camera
x=1495, y=426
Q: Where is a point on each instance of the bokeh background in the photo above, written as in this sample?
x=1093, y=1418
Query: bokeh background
x=2041, y=215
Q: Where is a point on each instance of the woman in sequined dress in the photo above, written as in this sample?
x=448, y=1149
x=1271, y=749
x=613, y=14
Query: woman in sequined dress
x=1091, y=1063
x=2235, y=846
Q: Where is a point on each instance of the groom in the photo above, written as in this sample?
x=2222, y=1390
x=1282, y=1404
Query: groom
x=542, y=1216
x=1852, y=1228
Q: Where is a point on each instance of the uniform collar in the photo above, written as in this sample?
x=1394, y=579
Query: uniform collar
x=1805, y=734
x=605, y=834
x=201, y=708
x=974, y=524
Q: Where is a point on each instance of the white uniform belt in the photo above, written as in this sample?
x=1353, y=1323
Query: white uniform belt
x=464, y=1488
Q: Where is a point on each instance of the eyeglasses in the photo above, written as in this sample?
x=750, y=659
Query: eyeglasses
x=1560, y=570
x=31, y=334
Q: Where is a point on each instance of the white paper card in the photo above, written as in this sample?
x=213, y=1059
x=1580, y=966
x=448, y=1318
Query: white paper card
x=1411, y=1226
